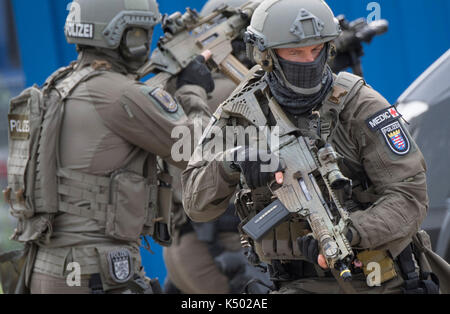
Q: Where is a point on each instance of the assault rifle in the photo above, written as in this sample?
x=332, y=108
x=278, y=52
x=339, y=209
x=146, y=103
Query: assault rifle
x=311, y=178
x=188, y=35
x=349, y=47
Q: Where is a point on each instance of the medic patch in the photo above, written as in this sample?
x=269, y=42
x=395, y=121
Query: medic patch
x=396, y=138
x=120, y=265
x=383, y=118
x=165, y=100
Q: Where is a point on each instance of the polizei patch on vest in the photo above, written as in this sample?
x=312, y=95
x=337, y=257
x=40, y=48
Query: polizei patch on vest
x=120, y=265
x=19, y=127
x=383, y=118
x=165, y=100
x=396, y=138
x=79, y=30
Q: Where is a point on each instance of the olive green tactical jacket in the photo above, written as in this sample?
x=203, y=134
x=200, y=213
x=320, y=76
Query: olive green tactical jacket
x=375, y=146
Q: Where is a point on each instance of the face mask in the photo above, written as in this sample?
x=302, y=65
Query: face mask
x=305, y=75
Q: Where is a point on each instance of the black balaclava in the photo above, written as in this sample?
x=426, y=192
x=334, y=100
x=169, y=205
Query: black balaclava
x=315, y=78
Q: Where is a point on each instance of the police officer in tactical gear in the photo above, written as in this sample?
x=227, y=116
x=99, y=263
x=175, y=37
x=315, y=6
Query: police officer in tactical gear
x=294, y=87
x=93, y=191
x=207, y=258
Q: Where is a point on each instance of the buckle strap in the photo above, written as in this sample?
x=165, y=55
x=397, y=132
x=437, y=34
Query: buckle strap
x=92, y=213
x=83, y=177
x=83, y=194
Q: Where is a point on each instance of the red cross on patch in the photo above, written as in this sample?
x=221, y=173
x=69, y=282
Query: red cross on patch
x=393, y=113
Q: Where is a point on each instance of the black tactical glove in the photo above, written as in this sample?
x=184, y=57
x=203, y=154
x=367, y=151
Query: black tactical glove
x=197, y=73
x=257, y=173
x=243, y=278
x=309, y=247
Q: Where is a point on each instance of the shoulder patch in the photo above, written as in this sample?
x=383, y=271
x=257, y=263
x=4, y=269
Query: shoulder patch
x=382, y=118
x=165, y=100
x=386, y=121
x=396, y=138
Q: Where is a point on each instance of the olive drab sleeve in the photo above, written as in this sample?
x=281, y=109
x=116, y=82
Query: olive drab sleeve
x=146, y=117
x=395, y=166
x=193, y=99
x=208, y=182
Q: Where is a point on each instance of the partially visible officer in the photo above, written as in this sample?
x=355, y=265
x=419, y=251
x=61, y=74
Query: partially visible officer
x=207, y=258
x=291, y=41
x=89, y=189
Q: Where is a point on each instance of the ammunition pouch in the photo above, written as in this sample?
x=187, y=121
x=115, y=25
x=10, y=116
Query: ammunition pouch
x=163, y=225
x=387, y=268
x=124, y=203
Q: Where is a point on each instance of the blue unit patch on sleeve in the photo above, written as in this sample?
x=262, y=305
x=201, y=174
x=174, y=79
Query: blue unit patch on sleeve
x=396, y=138
x=165, y=100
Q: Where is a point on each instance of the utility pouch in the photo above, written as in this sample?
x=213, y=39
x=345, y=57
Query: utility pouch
x=24, y=124
x=381, y=258
x=36, y=229
x=162, y=232
x=127, y=212
x=269, y=218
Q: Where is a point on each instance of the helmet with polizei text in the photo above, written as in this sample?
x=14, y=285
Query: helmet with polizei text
x=103, y=23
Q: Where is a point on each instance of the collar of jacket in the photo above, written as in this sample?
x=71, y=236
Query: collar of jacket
x=88, y=56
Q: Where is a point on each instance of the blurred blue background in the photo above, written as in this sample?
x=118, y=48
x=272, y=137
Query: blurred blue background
x=32, y=46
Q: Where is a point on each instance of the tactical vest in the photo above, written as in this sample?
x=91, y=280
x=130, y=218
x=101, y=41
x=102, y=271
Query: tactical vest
x=124, y=203
x=250, y=104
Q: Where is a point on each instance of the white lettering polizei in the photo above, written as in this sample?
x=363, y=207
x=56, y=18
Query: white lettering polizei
x=80, y=30
x=20, y=126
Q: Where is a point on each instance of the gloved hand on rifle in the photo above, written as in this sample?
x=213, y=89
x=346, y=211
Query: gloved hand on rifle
x=309, y=247
x=258, y=167
x=197, y=73
x=243, y=278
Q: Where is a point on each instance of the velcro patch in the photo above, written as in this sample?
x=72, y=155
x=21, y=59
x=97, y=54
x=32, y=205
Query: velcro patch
x=165, y=100
x=79, y=30
x=120, y=265
x=383, y=118
x=19, y=126
x=396, y=138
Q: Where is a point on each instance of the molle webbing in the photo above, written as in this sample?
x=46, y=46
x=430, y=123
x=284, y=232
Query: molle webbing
x=89, y=189
x=89, y=195
x=47, y=153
